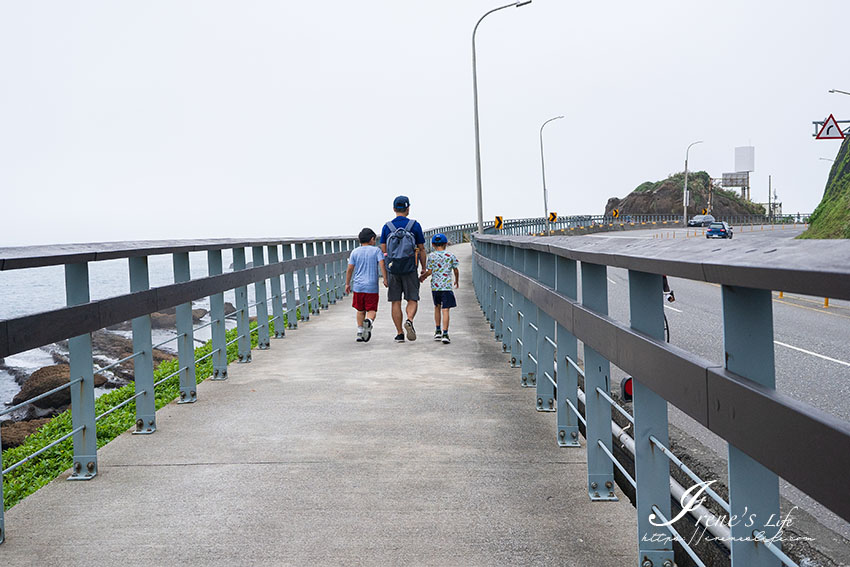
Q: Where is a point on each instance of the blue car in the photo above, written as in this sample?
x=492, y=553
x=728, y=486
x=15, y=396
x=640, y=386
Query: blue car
x=719, y=230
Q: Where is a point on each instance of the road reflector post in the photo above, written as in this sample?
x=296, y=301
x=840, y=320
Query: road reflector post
x=826, y=302
x=781, y=294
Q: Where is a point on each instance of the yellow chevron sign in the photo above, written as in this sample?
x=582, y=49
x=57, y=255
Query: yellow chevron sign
x=499, y=223
x=553, y=217
x=615, y=213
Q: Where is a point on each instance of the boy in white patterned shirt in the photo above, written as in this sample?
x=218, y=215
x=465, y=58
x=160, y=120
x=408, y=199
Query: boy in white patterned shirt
x=440, y=266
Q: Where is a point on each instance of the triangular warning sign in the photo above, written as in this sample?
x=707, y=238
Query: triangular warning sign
x=831, y=130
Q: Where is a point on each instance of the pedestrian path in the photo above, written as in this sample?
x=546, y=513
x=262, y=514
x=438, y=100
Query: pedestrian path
x=325, y=451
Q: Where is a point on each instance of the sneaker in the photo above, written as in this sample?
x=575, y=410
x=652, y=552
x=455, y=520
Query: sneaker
x=360, y=337
x=367, y=330
x=411, y=332
x=446, y=339
x=399, y=338
x=438, y=334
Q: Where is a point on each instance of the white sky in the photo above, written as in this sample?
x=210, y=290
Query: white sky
x=168, y=119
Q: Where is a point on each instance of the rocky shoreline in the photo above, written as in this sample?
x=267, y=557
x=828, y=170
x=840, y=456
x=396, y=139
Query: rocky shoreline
x=108, y=346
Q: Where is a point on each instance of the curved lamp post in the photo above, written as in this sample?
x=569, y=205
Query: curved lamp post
x=685, y=194
x=837, y=91
x=543, y=171
x=475, y=96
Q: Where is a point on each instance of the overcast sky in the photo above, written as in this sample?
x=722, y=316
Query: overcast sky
x=172, y=119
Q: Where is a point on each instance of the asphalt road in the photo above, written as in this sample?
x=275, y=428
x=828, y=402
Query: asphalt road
x=812, y=345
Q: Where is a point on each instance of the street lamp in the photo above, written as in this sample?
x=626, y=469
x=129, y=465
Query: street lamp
x=837, y=91
x=826, y=159
x=685, y=194
x=475, y=97
x=543, y=171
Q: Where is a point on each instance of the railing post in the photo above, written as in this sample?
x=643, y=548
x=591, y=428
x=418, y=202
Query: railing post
x=566, y=283
x=313, y=287
x=218, y=326
x=243, y=328
x=185, y=333
x=498, y=293
x=277, y=295
x=597, y=372
x=302, y=284
x=545, y=349
x=289, y=282
x=507, y=300
x=529, y=332
x=652, y=467
x=324, y=283
x=753, y=489
x=517, y=352
x=82, y=394
x=143, y=363
x=333, y=267
x=260, y=297
x=340, y=271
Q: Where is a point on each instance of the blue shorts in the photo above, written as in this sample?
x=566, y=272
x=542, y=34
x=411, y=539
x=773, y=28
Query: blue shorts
x=444, y=299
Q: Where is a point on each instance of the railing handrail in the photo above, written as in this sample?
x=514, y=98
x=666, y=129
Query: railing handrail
x=812, y=267
x=18, y=257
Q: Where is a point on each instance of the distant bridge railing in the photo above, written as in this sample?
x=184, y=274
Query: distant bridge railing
x=569, y=224
x=313, y=271
x=528, y=290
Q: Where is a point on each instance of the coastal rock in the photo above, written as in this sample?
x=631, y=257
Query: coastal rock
x=15, y=432
x=165, y=319
x=47, y=378
x=228, y=308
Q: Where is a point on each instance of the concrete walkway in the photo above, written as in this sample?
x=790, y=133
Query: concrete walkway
x=324, y=451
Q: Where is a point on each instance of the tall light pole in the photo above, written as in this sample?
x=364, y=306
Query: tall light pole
x=543, y=171
x=685, y=194
x=475, y=97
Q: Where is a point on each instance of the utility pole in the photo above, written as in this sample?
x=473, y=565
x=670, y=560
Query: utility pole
x=769, y=206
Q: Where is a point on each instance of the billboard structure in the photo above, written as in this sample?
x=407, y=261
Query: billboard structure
x=745, y=160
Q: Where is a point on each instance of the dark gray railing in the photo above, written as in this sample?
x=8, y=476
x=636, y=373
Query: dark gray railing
x=319, y=265
x=528, y=289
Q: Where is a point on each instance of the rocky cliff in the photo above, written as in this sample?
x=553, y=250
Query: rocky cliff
x=665, y=198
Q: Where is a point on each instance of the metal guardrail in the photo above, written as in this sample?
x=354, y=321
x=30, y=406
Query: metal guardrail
x=319, y=264
x=528, y=289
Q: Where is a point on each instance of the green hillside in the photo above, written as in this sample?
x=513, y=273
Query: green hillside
x=831, y=218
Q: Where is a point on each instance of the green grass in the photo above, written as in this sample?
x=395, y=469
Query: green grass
x=831, y=218
x=36, y=473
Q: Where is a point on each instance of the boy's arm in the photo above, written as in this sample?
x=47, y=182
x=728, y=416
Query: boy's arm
x=384, y=272
x=348, y=273
x=457, y=277
x=420, y=249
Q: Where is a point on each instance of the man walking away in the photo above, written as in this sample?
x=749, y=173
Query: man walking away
x=403, y=242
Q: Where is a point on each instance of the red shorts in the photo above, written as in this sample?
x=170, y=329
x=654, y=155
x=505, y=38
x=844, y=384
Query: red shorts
x=365, y=301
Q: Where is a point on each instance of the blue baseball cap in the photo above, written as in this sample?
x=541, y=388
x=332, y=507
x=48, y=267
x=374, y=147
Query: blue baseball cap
x=439, y=238
x=401, y=202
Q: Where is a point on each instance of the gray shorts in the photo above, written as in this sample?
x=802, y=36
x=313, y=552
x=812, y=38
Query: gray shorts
x=403, y=283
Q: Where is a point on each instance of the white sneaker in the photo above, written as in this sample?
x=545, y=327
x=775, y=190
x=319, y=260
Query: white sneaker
x=367, y=330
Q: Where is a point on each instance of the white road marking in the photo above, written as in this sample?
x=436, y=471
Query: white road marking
x=612, y=281
x=813, y=353
x=673, y=308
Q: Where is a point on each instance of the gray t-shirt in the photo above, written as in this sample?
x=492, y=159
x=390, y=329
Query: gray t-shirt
x=365, y=260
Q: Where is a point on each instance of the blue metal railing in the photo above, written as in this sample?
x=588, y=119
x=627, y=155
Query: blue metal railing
x=318, y=263
x=528, y=290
